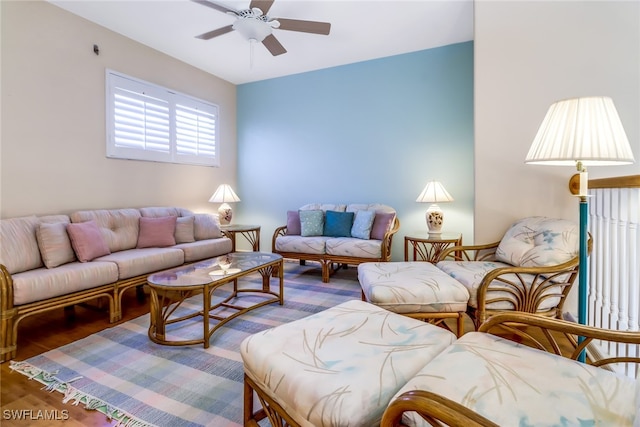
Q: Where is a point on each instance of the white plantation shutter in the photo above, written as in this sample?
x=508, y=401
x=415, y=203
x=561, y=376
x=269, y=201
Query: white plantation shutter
x=149, y=122
x=195, y=130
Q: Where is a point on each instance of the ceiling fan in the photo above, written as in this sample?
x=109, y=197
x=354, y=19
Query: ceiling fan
x=255, y=25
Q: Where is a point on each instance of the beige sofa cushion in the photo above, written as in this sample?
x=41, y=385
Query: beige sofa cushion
x=119, y=227
x=185, y=229
x=55, y=246
x=515, y=385
x=43, y=283
x=206, y=226
x=19, y=250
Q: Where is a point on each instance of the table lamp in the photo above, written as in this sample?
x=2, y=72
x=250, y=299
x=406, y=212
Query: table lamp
x=434, y=193
x=581, y=132
x=224, y=194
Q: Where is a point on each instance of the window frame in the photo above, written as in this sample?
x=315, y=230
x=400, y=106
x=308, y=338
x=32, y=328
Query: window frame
x=187, y=134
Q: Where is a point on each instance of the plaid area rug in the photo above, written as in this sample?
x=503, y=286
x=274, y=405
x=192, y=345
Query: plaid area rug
x=121, y=373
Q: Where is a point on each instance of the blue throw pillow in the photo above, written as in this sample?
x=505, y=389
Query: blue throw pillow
x=362, y=224
x=311, y=222
x=338, y=224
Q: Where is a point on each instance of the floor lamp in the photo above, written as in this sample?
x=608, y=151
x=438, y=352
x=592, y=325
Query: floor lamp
x=581, y=132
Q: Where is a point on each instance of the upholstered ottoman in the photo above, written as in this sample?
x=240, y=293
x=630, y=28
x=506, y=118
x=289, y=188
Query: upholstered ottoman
x=415, y=289
x=339, y=367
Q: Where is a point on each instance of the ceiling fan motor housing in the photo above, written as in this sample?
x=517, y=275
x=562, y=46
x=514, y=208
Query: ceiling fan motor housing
x=253, y=25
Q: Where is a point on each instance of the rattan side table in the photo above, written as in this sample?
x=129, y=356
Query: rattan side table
x=428, y=247
x=249, y=232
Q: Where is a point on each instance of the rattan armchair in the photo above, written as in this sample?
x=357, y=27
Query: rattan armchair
x=554, y=336
x=496, y=285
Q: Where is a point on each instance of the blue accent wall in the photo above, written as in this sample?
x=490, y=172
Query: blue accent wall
x=370, y=132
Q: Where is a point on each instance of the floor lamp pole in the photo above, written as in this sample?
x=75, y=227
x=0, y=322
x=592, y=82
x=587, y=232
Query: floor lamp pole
x=582, y=268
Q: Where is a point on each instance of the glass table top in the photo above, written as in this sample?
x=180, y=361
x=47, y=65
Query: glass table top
x=211, y=270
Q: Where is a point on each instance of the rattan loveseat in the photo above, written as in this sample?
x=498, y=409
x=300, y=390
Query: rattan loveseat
x=337, y=234
x=43, y=268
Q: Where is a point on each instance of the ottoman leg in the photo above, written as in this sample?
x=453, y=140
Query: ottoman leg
x=276, y=414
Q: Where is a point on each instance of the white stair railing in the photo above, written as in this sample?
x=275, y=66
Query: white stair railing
x=614, y=263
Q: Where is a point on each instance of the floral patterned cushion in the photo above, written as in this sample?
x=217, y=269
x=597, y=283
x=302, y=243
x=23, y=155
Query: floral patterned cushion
x=471, y=273
x=302, y=245
x=411, y=287
x=353, y=247
x=340, y=367
x=539, y=242
x=515, y=385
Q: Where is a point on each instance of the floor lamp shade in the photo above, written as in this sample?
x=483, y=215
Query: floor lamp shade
x=581, y=132
x=586, y=130
x=225, y=195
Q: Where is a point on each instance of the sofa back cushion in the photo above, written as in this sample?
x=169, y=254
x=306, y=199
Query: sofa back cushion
x=119, y=227
x=158, y=212
x=206, y=226
x=19, y=249
x=539, y=242
x=185, y=229
x=324, y=207
x=55, y=246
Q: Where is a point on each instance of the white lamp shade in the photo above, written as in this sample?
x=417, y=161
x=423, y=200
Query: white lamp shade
x=434, y=192
x=224, y=194
x=587, y=129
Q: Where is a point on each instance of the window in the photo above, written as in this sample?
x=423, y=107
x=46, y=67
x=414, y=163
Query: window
x=149, y=122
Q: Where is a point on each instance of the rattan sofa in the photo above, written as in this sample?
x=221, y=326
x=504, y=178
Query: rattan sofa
x=346, y=247
x=43, y=269
x=357, y=364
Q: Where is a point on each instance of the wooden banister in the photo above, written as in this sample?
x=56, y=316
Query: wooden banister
x=629, y=181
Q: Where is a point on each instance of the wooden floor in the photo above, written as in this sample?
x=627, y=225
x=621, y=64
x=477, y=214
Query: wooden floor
x=22, y=401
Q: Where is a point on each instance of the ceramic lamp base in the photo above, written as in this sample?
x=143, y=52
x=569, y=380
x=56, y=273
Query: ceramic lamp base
x=434, y=218
x=225, y=213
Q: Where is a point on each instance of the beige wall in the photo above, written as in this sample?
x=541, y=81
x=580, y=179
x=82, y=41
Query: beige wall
x=53, y=118
x=529, y=54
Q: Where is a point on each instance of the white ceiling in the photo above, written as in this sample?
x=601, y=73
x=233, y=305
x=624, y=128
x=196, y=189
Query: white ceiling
x=360, y=30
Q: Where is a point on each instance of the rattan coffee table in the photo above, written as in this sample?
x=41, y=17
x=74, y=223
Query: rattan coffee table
x=170, y=288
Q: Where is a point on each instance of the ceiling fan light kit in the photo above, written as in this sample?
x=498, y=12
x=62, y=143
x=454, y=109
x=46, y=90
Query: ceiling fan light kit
x=254, y=24
x=253, y=27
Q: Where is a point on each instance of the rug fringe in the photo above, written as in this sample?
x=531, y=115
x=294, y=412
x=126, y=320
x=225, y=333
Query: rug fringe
x=73, y=396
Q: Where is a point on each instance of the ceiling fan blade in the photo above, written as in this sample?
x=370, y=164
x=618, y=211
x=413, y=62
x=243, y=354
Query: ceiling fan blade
x=273, y=45
x=304, y=26
x=216, y=6
x=263, y=5
x=215, y=33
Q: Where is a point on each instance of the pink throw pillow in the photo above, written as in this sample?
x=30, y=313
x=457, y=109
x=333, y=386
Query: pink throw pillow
x=87, y=240
x=381, y=225
x=157, y=232
x=293, y=223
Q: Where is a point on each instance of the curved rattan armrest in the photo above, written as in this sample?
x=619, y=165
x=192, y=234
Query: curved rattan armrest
x=547, y=271
x=538, y=333
x=6, y=289
x=385, y=249
x=470, y=252
x=432, y=407
x=280, y=231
